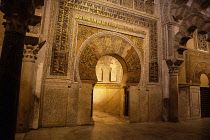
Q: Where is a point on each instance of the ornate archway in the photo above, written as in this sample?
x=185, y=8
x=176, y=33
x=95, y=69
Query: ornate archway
x=108, y=43
x=96, y=46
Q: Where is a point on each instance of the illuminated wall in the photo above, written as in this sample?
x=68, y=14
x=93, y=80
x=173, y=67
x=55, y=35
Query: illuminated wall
x=108, y=96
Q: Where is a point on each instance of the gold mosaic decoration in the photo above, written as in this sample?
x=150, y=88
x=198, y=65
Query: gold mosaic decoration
x=109, y=45
x=59, y=61
x=84, y=32
x=59, y=49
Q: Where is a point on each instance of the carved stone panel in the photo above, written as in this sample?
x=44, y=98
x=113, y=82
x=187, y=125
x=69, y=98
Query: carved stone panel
x=134, y=112
x=54, y=106
x=195, y=101
x=84, y=104
x=72, y=107
x=155, y=104
x=144, y=108
x=184, y=103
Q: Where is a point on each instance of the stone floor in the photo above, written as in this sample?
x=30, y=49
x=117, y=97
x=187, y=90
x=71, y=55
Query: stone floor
x=111, y=128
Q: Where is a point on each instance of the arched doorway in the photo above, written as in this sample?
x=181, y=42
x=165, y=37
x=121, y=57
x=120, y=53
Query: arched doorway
x=205, y=96
x=108, y=94
x=94, y=48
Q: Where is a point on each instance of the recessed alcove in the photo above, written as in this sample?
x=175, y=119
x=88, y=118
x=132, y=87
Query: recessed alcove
x=108, y=94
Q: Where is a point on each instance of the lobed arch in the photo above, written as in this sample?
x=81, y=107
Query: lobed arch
x=113, y=44
x=200, y=68
x=179, y=9
x=189, y=25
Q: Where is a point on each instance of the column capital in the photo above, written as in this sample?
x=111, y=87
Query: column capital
x=173, y=70
x=30, y=52
x=18, y=14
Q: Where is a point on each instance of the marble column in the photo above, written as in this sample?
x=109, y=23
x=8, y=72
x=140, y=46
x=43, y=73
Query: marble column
x=26, y=85
x=18, y=15
x=173, y=93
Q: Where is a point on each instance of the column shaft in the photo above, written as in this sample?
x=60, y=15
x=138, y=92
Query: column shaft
x=10, y=70
x=173, y=94
x=25, y=97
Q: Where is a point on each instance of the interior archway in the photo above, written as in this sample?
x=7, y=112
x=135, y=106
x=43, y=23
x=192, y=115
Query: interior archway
x=205, y=96
x=107, y=43
x=108, y=93
x=95, y=47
